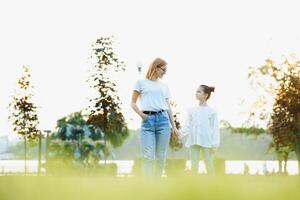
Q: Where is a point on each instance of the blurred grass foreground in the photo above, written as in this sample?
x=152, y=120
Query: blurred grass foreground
x=184, y=187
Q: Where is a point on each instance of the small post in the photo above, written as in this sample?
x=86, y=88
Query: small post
x=47, y=145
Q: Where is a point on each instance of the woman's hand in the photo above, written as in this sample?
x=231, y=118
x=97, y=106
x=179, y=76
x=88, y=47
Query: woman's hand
x=175, y=131
x=144, y=116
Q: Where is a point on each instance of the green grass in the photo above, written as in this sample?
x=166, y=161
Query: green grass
x=183, y=188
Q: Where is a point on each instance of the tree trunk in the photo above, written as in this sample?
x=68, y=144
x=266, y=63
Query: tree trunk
x=285, y=166
x=279, y=163
x=25, y=156
x=47, y=145
x=297, y=151
x=279, y=158
x=40, y=154
x=104, y=155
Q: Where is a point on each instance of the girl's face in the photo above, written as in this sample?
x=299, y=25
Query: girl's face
x=200, y=94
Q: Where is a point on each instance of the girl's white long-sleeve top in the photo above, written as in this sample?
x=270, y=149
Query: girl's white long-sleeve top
x=202, y=127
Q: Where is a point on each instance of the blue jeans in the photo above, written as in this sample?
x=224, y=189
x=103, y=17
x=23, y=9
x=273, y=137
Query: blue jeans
x=208, y=159
x=155, y=136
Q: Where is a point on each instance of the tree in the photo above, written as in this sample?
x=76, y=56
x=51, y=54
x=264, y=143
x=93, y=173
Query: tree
x=284, y=120
x=24, y=113
x=75, y=145
x=105, y=111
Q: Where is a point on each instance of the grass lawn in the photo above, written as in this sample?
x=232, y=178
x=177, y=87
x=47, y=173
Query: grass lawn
x=184, y=188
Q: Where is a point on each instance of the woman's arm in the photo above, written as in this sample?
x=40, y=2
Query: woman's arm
x=135, y=96
x=174, y=129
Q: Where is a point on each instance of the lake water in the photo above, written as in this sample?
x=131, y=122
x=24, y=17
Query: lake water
x=125, y=166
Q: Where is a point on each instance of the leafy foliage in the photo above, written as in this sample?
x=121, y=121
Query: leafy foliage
x=75, y=141
x=244, y=130
x=105, y=112
x=23, y=111
x=284, y=86
x=175, y=143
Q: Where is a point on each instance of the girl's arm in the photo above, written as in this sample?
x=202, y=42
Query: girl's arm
x=216, y=131
x=186, y=129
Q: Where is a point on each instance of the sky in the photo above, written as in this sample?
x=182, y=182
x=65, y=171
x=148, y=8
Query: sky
x=204, y=42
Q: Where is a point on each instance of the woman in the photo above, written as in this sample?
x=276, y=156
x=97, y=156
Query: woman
x=156, y=116
x=202, y=130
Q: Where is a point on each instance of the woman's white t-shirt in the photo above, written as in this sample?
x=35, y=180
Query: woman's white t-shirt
x=153, y=95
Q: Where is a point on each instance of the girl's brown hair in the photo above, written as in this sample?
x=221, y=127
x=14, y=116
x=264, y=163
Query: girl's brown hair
x=207, y=90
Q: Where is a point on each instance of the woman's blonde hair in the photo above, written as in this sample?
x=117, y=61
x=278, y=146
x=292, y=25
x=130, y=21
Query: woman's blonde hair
x=153, y=67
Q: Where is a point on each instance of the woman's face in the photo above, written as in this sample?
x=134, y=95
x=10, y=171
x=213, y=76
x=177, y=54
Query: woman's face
x=161, y=71
x=200, y=94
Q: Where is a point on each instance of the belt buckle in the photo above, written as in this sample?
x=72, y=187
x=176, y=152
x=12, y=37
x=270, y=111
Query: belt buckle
x=159, y=111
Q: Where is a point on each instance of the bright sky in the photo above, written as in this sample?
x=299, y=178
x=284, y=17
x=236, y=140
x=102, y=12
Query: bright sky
x=204, y=42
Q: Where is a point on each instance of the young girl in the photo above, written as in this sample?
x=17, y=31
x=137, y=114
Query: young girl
x=202, y=130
